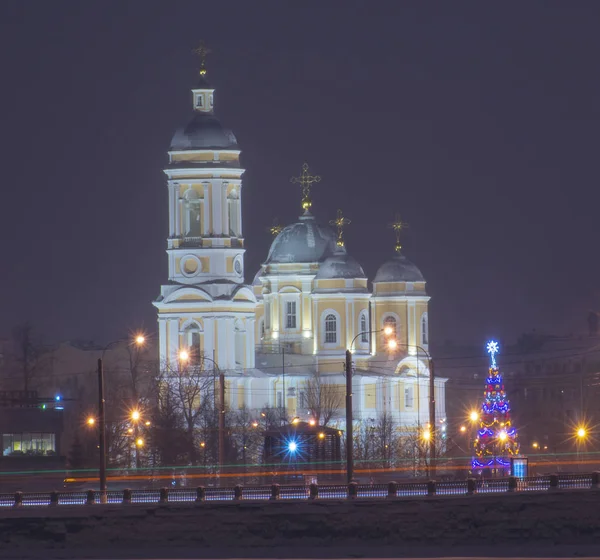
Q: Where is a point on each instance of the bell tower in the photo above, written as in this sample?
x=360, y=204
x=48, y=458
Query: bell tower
x=205, y=244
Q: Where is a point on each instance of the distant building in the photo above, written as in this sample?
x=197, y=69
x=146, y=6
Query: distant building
x=31, y=430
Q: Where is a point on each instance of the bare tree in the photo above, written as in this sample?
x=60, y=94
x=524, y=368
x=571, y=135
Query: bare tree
x=323, y=400
x=191, y=389
x=29, y=356
x=246, y=435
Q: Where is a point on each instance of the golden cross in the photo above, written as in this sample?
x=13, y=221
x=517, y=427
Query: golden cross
x=340, y=222
x=306, y=180
x=202, y=51
x=398, y=225
x=276, y=228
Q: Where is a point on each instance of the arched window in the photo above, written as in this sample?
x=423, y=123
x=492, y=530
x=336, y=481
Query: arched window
x=424, y=329
x=193, y=342
x=363, y=326
x=193, y=215
x=233, y=207
x=390, y=322
x=261, y=329
x=330, y=329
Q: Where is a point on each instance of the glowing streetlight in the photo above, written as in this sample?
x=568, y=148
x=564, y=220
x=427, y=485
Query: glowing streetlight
x=140, y=339
x=184, y=355
x=148, y=423
x=392, y=344
x=139, y=442
x=426, y=435
x=130, y=430
x=463, y=429
x=135, y=415
x=474, y=416
x=387, y=331
x=255, y=424
x=581, y=432
x=535, y=445
x=321, y=435
x=202, y=444
x=312, y=422
x=292, y=447
x=91, y=421
x=295, y=420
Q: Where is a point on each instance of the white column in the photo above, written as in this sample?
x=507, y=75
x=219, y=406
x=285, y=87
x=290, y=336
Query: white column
x=239, y=212
x=162, y=342
x=217, y=207
x=410, y=326
x=206, y=209
x=173, y=351
x=178, y=211
x=224, y=209
x=250, y=342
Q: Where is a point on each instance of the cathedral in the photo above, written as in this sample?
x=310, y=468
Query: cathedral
x=281, y=341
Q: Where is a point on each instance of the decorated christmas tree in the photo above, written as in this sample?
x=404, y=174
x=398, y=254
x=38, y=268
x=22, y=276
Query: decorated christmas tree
x=496, y=439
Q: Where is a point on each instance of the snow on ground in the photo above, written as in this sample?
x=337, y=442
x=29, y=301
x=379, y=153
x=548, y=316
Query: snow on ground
x=527, y=524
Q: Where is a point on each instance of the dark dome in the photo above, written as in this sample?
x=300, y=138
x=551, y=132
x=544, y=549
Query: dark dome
x=203, y=131
x=340, y=265
x=302, y=242
x=399, y=269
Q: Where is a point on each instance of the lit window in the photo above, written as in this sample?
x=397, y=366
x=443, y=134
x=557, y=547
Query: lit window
x=424, y=333
x=330, y=329
x=29, y=444
x=279, y=399
x=364, y=337
x=198, y=101
x=262, y=329
x=390, y=322
x=290, y=322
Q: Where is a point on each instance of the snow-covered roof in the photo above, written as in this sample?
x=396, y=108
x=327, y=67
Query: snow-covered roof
x=399, y=269
x=340, y=265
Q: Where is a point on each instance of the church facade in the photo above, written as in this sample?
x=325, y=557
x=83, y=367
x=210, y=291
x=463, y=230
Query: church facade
x=281, y=341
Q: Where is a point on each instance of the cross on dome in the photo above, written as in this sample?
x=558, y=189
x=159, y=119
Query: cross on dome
x=276, y=228
x=306, y=180
x=340, y=222
x=202, y=51
x=398, y=225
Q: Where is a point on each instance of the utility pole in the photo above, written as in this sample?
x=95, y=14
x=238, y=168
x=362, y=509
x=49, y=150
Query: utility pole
x=349, y=437
x=101, y=431
x=221, y=421
x=283, y=382
x=432, y=429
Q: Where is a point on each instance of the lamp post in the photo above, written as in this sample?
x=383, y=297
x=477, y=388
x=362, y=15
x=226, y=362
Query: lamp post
x=139, y=341
x=349, y=428
x=184, y=357
x=432, y=430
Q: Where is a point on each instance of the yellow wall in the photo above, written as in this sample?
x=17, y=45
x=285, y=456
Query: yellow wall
x=370, y=395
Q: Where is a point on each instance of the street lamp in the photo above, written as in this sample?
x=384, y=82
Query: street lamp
x=474, y=416
x=139, y=341
x=388, y=331
x=392, y=344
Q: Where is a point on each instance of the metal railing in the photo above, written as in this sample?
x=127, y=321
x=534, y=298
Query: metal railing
x=391, y=490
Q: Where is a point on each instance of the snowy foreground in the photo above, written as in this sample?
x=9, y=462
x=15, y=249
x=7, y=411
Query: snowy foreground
x=553, y=524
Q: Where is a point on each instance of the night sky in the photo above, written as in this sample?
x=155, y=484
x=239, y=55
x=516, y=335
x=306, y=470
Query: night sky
x=476, y=121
